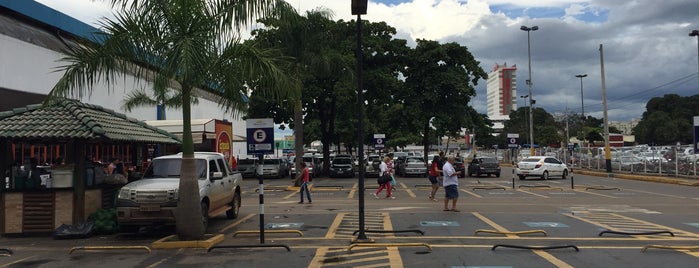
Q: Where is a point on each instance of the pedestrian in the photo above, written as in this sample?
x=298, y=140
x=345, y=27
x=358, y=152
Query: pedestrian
x=384, y=170
x=434, y=173
x=451, y=184
x=390, y=168
x=305, y=178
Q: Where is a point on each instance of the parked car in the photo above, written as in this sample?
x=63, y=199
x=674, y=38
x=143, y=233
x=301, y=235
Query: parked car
x=272, y=168
x=544, y=167
x=414, y=166
x=342, y=166
x=314, y=165
x=459, y=166
x=484, y=165
x=372, y=168
x=628, y=163
x=248, y=167
x=153, y=199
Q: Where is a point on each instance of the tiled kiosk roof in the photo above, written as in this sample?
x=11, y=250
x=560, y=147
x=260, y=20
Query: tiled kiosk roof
x=68, y=119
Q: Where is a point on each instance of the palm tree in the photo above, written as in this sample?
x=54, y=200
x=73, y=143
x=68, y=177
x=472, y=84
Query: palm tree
x=182, y=45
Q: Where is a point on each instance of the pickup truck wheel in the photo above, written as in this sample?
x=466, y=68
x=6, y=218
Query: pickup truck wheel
x=205, y=214
x=233, y=212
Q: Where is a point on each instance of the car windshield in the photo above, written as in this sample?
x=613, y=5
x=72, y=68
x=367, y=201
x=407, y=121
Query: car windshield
x=170, y=168
x=246, y=162
x=488, y=160
x=271, y=162
x=342, y=161
x=413, y=160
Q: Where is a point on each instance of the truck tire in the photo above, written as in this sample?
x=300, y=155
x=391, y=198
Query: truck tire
x=233, y=212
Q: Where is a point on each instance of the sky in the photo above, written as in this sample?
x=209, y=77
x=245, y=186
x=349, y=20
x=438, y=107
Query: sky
x=647, y=50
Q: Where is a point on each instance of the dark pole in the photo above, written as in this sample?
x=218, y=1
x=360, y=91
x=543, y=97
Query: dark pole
x=582, y=108
x=359, y=8
x=696, y=33
x=529, y=83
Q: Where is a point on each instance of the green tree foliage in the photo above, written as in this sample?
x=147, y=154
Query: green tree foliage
x=182, y=45
x=440, y=81
x=668, y=120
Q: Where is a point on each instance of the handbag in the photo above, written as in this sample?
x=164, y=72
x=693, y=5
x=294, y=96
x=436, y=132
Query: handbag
x=384, y=178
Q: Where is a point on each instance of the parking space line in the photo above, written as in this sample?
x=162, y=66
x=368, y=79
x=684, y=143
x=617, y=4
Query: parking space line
x=617, y=222
x=236, y=223
x=353, y=191
x=471, y=193
x=593, y=193
x=652, y=193
x=335, y=225
x=410, y=192
x=527, y=192
x=493, y=224
x=16, y=262
x=550, y=258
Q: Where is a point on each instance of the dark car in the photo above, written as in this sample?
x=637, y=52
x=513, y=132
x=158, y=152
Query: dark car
x=484, y=165
x=459, y=166
x=342, y=166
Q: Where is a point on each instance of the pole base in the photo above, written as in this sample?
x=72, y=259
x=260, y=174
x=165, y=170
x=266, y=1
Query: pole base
x=365, y=240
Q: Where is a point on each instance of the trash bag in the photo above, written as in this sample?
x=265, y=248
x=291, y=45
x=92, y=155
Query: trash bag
x=82, y=230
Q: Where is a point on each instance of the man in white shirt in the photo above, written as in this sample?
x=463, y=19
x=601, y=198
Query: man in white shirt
x=451, y=184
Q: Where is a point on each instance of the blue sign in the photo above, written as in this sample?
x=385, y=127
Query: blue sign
x=512, y=140
x=379, y=141
x=260, y=136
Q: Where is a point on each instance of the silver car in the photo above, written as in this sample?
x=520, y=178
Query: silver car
x=541, y=166
x=272, y=168
x=414, y=166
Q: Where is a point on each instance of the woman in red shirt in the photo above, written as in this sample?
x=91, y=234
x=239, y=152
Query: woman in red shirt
x=434, y=176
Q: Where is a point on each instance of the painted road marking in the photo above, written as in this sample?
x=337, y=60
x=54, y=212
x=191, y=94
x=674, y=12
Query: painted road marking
x=545, y=224
x=439, y=223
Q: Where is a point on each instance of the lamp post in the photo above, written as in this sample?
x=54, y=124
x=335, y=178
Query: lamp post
x=527, y=117
x=359, y=8
x=696, y=33
x=529, y=83
x=582, y=107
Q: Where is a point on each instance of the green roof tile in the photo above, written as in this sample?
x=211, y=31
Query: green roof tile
x=70, y=119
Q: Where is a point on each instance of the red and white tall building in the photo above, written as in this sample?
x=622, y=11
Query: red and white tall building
x=501, y=94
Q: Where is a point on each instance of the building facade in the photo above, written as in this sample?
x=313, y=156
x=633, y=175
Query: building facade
x=501, y=94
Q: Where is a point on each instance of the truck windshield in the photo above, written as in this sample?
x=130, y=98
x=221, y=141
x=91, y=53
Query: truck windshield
x=170, y=168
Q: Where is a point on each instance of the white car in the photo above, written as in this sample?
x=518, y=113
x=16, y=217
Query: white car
x=544, y=167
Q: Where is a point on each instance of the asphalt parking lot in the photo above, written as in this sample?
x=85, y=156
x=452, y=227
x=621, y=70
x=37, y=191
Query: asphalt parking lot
x=586, y=221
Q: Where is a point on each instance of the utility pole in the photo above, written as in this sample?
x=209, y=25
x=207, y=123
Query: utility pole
x=607, y=153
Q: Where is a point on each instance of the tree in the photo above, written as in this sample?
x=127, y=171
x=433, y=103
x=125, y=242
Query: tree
x=182, y=45
x=440, y=81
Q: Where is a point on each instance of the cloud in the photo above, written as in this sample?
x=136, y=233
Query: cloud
x=647, y=52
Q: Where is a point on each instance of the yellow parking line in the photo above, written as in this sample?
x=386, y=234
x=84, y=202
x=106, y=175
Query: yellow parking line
x=553, y=260
x=410, y=192
x=352, y=192
x=471, y=193
x=236, y=223
x=527, y=192
x=17, y=261
x=493, y=224
x=334, y=226
x=593, y=193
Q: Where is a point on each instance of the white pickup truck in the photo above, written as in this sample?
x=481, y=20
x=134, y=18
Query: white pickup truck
x=152, y=200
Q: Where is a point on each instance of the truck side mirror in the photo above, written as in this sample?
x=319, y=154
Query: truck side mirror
x=216, y=176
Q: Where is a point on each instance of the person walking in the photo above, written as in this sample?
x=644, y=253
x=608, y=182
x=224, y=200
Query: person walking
x=390, y=168
x=434, y=173
x=305, y=178
x=451, y=184
x=387, y=184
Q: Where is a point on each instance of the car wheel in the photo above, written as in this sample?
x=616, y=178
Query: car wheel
x=545, y=176
x=234, y=211
x=521, y=177
x=497, y=175
x=205, y=215
x=565, y=174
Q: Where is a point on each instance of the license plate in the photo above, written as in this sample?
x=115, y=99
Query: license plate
x=150, y=207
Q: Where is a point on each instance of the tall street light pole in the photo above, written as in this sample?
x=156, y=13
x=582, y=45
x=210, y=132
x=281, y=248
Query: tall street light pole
x=359, y=8
x=529, y=83
x=527, y=118
x=582, y=107
x=696, y=33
